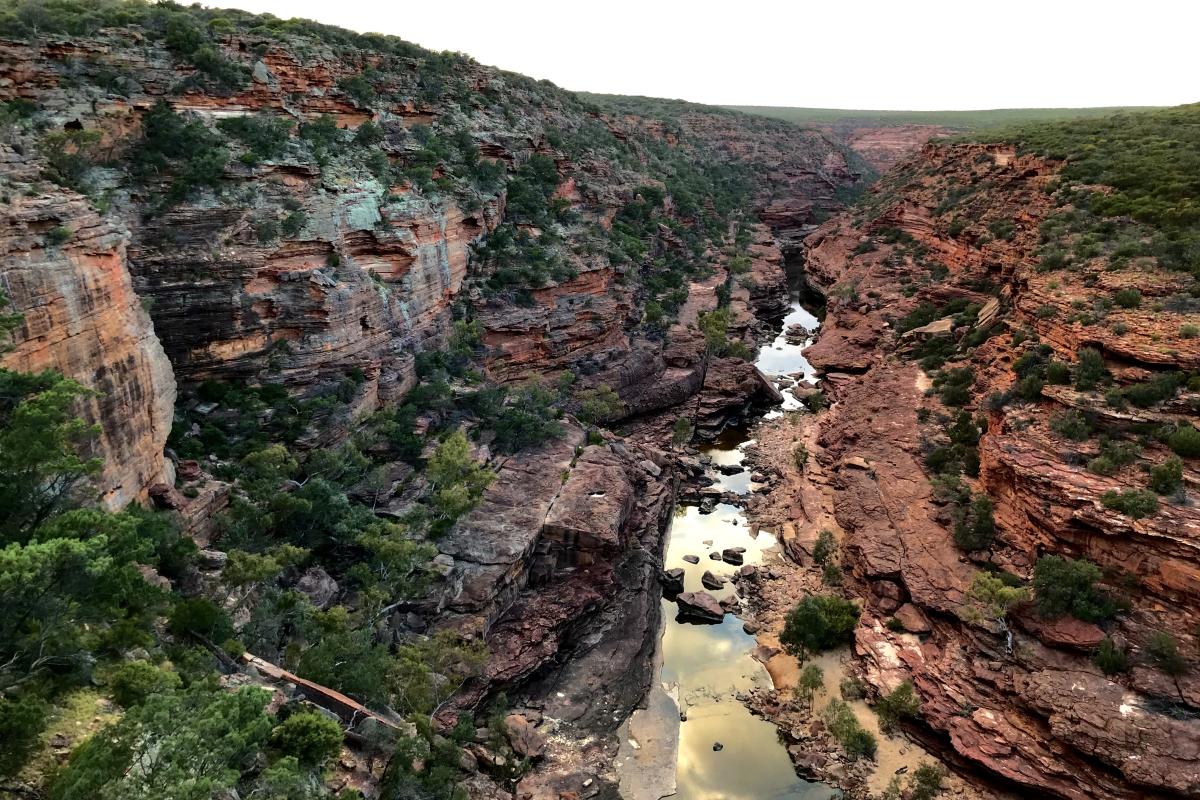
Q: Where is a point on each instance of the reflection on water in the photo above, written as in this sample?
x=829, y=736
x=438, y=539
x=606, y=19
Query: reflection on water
x=727, y=450
x=781, y=358
x=710, y=665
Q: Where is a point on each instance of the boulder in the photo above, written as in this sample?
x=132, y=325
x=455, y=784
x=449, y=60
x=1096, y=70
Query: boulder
x=711, y=581
x=671, y=580
x=699, y=607
x=733, y=555
x=525, y=739
x=912, y=618
x=692, y=559
x=318, y=586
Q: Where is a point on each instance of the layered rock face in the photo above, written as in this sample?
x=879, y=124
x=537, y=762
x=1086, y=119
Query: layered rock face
x=1022, y=699
x=64, y=269
x=369, y=268
x=556, y=570
x=885, y=146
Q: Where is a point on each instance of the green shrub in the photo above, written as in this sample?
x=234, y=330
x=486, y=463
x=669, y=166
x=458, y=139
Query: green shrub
x=831, y=574
x=1071, y=424
x=926, y=782
x=1127, y=298
x=311, y=737
x=825, y=548
x=1164, y=651
x=1189, y=331
x=22, y=719
x=200, y=617
x=1089, y=369
x=1135, y=503
x=1058, y=373
x=1110, y=658
x=134, y=681
x=901, y=703
x=818, y=623
x=266, y=137
x=1066, y=586
x=954, y=386
x=974, y=525
x=1167, y=478
x=845, y=728
x=58, y=235
x=1185, y=441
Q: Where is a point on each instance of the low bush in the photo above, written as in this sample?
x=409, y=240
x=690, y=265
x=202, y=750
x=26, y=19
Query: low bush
x=845, y=728
x=310, y=737
x=1185, y=441
x=1135, y=503
x=1164, y=651
x=1066, y=586
x=1167, y=478
x=818, y=623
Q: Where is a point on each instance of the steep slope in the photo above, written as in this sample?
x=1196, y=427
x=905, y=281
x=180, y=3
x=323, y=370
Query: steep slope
x=401, y=293
x=1010, y=348
x=63, y=268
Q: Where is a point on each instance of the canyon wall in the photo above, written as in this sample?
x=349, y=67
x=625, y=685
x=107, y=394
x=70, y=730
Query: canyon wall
x=963, y=227
x=64, y=269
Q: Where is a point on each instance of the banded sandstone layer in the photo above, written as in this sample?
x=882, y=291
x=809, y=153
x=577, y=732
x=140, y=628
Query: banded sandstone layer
x=952, y=273
x=316, y=220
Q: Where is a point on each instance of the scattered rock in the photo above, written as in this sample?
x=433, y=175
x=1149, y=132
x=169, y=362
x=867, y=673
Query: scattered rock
x=699, y=607
x=733, y=555
x=692, y=559
x=710, y=581
x=672, y=580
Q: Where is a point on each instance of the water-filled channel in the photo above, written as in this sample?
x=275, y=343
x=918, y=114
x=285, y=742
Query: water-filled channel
x=722, y=751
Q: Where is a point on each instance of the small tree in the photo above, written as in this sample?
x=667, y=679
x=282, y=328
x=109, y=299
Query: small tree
x=1089, y=369
x=599, y=405
x=825, y=548
x=1164, y=650
x=818, y=623
x=458, y=480
x=1067, y=586
x=812, y=678
x=974, y=526
x=901, y=703
x=994, y=599
x=1110, y=658
x=311, y=737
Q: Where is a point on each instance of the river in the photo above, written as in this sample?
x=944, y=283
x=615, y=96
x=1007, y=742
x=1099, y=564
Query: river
x=719, y=750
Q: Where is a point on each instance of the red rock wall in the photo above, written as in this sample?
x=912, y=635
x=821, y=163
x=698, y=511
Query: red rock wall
x=1039, y=714
x=83, y=319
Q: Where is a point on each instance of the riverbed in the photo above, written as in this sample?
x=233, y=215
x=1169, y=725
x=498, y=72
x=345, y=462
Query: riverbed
x=697, y=740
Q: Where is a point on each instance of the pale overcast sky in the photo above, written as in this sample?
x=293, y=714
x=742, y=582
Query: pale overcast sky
x=921, y=54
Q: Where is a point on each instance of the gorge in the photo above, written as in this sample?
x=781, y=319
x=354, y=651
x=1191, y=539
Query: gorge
x=380, y=424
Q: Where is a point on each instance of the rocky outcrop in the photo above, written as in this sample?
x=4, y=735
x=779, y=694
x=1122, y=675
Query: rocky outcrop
x=885, y=146
x=1024, y=700
x=557, y=570
x=64, y=269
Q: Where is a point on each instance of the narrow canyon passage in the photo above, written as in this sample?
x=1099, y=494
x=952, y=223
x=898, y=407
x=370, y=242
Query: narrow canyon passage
x=721, y=749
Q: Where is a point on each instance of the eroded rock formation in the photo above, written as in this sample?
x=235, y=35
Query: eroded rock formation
x=1025, y=700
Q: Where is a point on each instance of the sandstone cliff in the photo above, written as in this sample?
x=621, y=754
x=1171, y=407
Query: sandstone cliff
x=944, y=273
x=64, y=269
